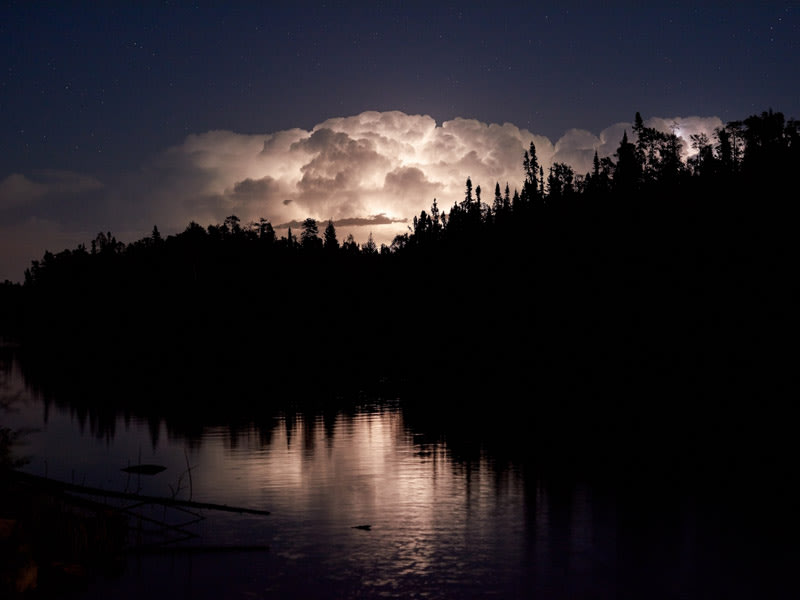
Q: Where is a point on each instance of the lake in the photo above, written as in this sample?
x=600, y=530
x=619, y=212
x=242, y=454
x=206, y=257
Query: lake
x=447, y=518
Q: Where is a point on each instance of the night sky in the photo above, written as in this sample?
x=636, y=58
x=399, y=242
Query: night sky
x=120, y=118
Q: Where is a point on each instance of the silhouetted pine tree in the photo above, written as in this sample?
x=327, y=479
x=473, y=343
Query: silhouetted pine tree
x=330, y=242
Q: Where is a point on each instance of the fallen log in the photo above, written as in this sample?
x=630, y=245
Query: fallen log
x=92, y=491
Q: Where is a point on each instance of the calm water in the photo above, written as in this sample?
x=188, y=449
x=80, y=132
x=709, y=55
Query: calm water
x=440, y=527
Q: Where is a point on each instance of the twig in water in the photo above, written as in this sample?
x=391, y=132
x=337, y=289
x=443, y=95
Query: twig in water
x=188, y=470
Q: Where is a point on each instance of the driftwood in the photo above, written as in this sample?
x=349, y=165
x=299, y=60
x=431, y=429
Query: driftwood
x=92, y=491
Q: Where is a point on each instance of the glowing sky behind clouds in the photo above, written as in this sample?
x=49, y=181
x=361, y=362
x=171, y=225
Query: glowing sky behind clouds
x=123, y=116
x=369, y=173
x=373, y=164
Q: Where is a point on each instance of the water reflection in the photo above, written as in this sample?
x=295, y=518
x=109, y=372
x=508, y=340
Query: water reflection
x=440, y=527
x=451, y=513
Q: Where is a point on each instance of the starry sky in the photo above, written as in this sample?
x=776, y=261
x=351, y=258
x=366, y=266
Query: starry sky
x=124, y=116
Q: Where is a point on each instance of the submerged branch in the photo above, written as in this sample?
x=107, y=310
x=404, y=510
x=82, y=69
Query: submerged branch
x=92, y=491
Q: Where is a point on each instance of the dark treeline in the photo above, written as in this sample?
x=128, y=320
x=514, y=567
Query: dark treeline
x=647, y=301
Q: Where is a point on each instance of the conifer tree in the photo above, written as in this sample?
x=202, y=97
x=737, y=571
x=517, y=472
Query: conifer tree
x=309, y=238
x=628, y=172
x=467, y=203
x=531, y=185
x=265, y=231
x=350, y=246
x=330, y=242
x=497, y=204
x=541, y=182
x=435, y=218
x=369, y=246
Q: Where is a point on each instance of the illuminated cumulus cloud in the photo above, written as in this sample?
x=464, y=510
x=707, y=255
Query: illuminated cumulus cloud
x=393, y=164
x=207, y=177
x=577, y=146
x=685, y=127
x=369, y=173
x=350, y=169
x=405, y=185
x=343, y=174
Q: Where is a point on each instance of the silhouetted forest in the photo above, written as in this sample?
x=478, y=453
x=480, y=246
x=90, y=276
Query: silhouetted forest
x=650, y=300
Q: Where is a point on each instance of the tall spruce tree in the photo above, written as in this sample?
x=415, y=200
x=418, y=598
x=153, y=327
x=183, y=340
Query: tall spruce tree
x=330, y=242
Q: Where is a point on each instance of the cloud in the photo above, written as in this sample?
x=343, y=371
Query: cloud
x=46, y=210
x=348, y=168
x=407, y=184
x=342, y=175
x=685, y=127
x=18, y=190
x=349, y=222
x=369, y=173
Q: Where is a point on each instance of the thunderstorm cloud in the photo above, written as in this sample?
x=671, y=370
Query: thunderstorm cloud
x=369, y=173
